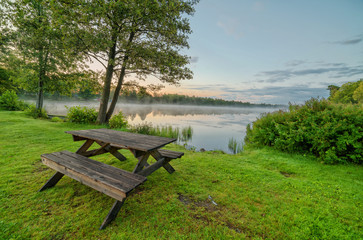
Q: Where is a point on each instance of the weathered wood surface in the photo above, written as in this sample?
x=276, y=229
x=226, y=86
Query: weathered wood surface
x=112, y=214
x=109, y=180
x=120, y=139
x=157, y=155
x=52, y=181
x=163, y=158
x=150, y=168
x=170, y=154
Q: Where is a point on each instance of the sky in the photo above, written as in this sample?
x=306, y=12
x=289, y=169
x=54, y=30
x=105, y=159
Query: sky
x=273, y=51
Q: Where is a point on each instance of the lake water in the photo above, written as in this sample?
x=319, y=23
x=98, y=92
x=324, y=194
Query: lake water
x=213, y=127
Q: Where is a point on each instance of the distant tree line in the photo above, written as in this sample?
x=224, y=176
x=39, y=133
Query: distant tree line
x=145, y=97
x=188, y=100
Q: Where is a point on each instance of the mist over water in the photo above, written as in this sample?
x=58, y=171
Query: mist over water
x=212, y=126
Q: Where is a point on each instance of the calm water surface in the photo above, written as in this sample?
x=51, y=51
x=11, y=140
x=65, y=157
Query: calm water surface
x=212, y=126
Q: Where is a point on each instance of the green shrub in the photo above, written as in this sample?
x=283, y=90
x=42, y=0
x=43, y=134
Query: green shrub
x=118, y=121
x=56, y=119
x=333, y=133
x=149, y=129
x=80, y=114
x=142, y=128
x=10, y=101
x=36, y=113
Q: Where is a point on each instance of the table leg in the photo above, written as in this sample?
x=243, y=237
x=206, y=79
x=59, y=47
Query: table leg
x=115, y=153
x=112, y=213
x=52, y=181
x=83, y=149
x=142, y=163
x=105, y=147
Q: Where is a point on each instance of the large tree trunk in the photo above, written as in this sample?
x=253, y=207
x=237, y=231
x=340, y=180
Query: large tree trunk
x=40, y=94
x=41, y=63
x=117, y=90
x=101, y=118
x=120, y=80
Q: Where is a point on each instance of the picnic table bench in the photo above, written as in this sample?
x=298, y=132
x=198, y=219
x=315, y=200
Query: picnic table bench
x=112, y=181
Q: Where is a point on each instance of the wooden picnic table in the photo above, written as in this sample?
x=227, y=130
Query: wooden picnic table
x=112, y=181
x=141, y=146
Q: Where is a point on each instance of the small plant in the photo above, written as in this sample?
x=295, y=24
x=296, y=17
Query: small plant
x=163, y=131
x=56, y=119
x=234, y=146
x=142, y=128
x=10, y=101
x=166, y=131
x=186, y=134
x=118, y=121
x=80, y=114
x=32, y=111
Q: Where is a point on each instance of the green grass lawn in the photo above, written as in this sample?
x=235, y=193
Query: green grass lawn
x=260, y=194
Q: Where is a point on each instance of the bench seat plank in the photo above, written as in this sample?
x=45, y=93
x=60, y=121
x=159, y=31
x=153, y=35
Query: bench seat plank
x=109, y=180
x=170, y=154
x=97, y=166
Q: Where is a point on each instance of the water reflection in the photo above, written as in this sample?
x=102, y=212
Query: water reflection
x=213, y=127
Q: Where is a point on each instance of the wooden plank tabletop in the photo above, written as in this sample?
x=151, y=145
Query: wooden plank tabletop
x=135, y=141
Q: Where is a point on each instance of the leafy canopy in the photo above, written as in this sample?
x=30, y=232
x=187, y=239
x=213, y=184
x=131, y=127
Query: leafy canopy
x=350, y=92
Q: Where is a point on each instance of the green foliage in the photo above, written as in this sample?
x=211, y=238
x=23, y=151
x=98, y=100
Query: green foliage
x=332, y=90
x=118, y=121
x=80, y=114
x=45, y=61
x=184, y=135
x=10, y=101
x=5, y=81
x=350, y=92
x=56, y=119
x=142, y=128
x=235, y=146
x=128, y=38
x=35, y=112
x=358, y=93
x=334, y=133
x=261, y=193
x=149, y=129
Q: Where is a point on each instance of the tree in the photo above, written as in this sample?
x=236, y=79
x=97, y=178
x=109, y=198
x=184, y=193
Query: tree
x=345, y=93
x=5, y=83
x=358, y=93
x=4, y=32
x=332, y=90
x=46, y=64
x=140, y=38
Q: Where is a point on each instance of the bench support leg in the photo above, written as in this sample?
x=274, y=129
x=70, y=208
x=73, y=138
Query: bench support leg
x=112, y=213
x=157, y=155
x=168, y=167
x=52, y=181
